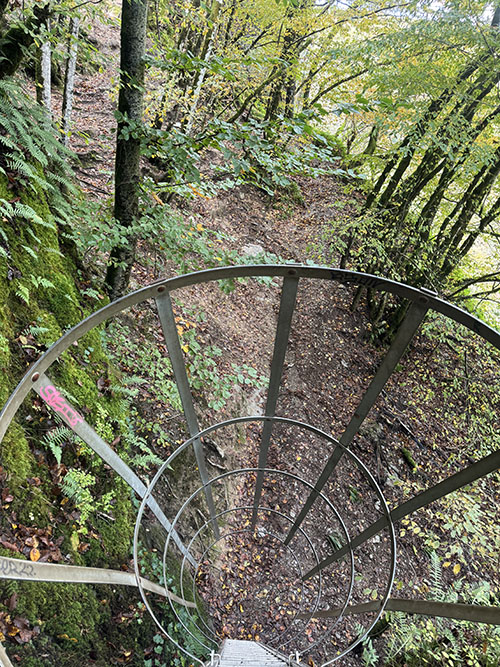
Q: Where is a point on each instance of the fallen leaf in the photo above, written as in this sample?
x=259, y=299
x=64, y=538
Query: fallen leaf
x=34, y=554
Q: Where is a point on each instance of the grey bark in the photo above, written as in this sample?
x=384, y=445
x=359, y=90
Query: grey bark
x=69, y=78
x=128, y=145
x=208, y=56
x=46, y=70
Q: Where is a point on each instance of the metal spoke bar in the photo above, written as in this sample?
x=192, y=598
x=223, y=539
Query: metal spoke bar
x=284, y=420
x=421, y=301
x=269, y=510
x=406, y=332
x=166, y=315
x=457, y=611
x=72, y=418
x=287, y=306
x=4, y=658
x=237, y=532
x=21, y=570
x=479, y=469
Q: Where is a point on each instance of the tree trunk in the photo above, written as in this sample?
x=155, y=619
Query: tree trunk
x=15, y=42
x=69, y=78
x=207, y=52
x=46, y=70
x=372, y=141
x=128, y=145
x=408, y=146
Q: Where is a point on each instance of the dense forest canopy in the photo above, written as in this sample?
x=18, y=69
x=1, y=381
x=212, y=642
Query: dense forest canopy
x=387, y=110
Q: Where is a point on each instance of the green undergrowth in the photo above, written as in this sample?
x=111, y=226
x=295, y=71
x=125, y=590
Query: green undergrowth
x=55, y=483
x=100, y=626
x=418, y=640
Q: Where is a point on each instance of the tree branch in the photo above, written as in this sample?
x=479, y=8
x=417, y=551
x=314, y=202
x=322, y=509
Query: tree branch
x=487, y=278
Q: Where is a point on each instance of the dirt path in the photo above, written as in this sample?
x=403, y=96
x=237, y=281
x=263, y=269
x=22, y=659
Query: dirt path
x=94, y=137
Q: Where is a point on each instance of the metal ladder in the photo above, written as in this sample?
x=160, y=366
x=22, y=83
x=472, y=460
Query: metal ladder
x=241, y=653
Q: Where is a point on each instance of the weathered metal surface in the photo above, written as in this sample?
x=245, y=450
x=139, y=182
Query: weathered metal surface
x=287, y=306
x=72, y=418
x=475, y=471
x=257, y=270
x=456, y=611
x=240, y=653
x=406, y=332
x=310, y=614
x=421, y=301
x=25, y=570
x=240, y=420
x=166, y=315
x=4, y=658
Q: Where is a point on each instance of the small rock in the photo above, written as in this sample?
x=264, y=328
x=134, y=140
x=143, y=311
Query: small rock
x=252, y=249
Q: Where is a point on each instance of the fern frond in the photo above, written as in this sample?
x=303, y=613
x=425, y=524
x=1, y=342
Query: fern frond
x=23, y=293
x=35, y=331
x=57, y=438
x=437, y=591
x=30, y=251
x=26, y=212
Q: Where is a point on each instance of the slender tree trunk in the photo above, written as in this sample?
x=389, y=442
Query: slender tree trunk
x=229, y=25
x=409, y=145
x=127, y=164
x=207, y=52
x=372, y=141
x=290, y=97
x=46, y=73
x=69, y=78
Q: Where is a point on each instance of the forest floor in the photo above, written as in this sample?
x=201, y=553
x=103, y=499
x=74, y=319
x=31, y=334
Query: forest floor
x=414, y=434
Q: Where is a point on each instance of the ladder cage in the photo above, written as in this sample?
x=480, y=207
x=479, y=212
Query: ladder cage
x=288, y=544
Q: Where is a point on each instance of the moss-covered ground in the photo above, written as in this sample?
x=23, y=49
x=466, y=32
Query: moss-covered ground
x=39, y=300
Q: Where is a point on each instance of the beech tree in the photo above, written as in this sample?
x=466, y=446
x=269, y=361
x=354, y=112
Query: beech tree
x=69, y=77
x=437, y=192
x=128, y=144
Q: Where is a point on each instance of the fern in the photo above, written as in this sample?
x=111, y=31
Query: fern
x=23, y=293
x=23, y=290
x=75, y=486
x=33, y=235
x=31, y=150
x=35, y=331
x=403, y=633
x=57, y=438
x=30, y=251
x=42, y=282
x=436, y=591
x=54, y=251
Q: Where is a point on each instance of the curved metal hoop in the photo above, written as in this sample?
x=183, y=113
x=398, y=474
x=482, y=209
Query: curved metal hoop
x=291, y=422
x=421, y=300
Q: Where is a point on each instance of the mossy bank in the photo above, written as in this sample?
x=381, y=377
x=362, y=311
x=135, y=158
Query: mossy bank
x=41, y=296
